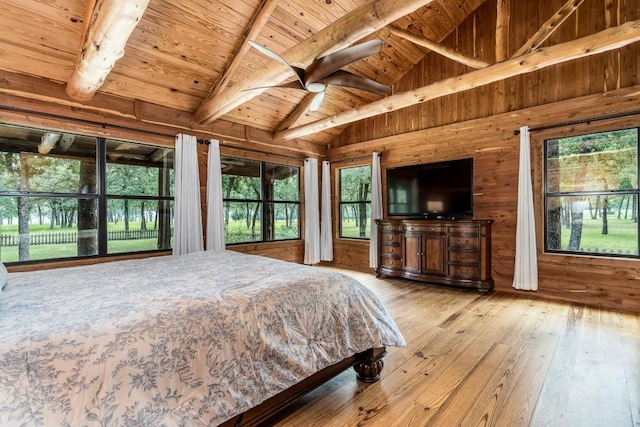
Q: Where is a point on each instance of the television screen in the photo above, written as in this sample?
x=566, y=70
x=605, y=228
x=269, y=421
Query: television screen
x=442, y=190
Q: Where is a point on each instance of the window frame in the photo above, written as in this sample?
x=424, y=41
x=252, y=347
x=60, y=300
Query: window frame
x=342, y=203
x=547, y=195
x=263, y=201
x=99, y=195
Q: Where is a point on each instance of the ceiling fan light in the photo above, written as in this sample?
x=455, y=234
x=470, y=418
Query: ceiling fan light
x=317, y=101
x=316, y=87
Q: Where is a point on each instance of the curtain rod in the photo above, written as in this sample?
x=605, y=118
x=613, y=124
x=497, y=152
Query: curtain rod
x=253, y=150
x=353, y=159
x=577, y=122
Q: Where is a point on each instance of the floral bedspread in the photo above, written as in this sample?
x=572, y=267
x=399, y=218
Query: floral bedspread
x=187, y=340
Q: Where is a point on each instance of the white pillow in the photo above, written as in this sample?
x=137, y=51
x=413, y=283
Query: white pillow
x=4, y=276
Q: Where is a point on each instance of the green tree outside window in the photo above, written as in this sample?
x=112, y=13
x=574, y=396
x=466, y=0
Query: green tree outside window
x=591, y=194
x=261, y=200
x=355, y=202
x=55, y=189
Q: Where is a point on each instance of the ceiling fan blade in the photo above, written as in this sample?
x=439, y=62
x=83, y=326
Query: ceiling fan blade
x=293, y=84
x=326, y=65
x=347, y=79
x=299, y=72
x=317, y=101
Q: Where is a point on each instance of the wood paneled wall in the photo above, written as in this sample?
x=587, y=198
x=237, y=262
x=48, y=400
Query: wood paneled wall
x=495, y=149
x=480, y=123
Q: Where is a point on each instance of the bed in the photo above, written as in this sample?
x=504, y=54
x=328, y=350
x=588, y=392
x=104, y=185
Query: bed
x=208, y=338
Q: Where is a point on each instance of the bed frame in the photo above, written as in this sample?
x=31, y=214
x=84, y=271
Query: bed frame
x=367, y=364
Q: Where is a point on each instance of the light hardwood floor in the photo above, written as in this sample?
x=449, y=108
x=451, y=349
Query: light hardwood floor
x=499, y=360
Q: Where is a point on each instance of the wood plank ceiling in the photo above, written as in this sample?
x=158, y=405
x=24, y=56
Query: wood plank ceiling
x=179, y=50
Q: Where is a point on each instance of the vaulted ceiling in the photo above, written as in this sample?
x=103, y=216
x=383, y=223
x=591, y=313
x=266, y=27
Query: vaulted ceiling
x=194, y=56
x=180, y=52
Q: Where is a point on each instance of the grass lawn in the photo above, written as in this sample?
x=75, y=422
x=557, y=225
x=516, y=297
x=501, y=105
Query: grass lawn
x=69, y=250
x=622, y=237
x=350, y=229
x=237, y=232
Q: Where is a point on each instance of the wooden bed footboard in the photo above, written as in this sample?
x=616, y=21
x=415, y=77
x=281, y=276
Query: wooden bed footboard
x=367, y=364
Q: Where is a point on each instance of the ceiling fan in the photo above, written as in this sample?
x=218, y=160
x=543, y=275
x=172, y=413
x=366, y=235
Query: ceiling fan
x=325, y=71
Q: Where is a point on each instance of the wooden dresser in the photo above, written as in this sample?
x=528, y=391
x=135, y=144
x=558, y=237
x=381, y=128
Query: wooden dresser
x=456, y=252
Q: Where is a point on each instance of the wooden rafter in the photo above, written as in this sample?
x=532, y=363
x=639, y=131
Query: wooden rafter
x=343, y=32
x=257, y=24
x=299, y=111
x=606, y=40
x=549, y=27
x=503, y=16
x=438, y=48
x=107, y=27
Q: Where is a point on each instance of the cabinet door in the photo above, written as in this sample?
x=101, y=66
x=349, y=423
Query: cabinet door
x=434, y=254
x=411, y=252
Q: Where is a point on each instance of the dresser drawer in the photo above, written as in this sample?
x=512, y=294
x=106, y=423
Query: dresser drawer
x=428, y=229
x=464, y=272
x=461, y=230
x=390, y=228
x=390, y=238
x=390, y=262
x=463, y=256
x=390, y=250
x=467, y=242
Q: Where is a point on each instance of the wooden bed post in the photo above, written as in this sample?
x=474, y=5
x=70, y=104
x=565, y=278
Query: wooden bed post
x=370, y=365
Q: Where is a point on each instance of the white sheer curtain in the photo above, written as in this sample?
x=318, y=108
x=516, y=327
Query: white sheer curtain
x=525, y=274
x=215, y=214
x=187, y=218
x=376, y=208
x=311, y=213
x=326, y=224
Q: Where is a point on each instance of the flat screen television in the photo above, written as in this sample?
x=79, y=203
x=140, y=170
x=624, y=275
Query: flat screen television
x=442, y=190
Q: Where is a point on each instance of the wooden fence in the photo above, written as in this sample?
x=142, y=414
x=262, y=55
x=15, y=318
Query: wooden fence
x=72, y=237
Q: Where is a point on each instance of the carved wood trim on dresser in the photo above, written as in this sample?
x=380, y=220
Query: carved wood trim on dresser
x=456, y=252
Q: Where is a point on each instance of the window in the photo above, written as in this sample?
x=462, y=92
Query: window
x=261, y=201
x=355, y=202
x=591, y=194
x=139, y=197
x=64, y=195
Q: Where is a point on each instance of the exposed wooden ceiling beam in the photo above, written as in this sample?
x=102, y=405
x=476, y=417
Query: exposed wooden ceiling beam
x=256, y=26
x=298, y=112
x=343, y=32
x=606, y=40
x=107, y=27
x=503, y=16
x=549, y=27
x=438, y=48
x=27, y=95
